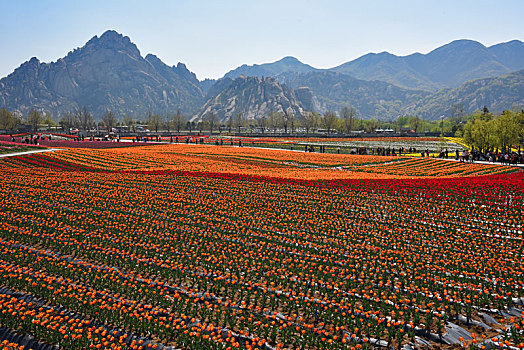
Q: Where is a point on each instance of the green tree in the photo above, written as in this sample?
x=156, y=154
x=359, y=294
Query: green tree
x=520, y=125
x=49, y=121
x=477, y=133
x=7, y=121
x=505, y=130
x=402, y=121
x=415, y=123
x=34, y=118
x=371, y=125
x=190, y=125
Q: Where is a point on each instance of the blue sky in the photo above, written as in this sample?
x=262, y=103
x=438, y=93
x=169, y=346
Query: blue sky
x=212, y=37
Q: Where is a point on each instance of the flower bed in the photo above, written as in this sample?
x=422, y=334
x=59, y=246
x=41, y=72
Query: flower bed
x=270, y=163
x=7, y=147
x=216, y=261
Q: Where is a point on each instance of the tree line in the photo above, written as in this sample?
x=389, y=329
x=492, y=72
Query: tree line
x=482, y=129
x=343, y=122
x=487, y=132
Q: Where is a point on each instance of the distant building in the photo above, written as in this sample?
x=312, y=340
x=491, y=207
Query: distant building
x=406, y=131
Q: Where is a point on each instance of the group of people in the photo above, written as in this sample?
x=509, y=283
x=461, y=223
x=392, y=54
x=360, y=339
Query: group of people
x=508, y=158
x=311, y=148
x=151, y=138
x=390, y=151
x=30, y=139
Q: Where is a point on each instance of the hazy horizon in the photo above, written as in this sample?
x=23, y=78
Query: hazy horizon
x=212, y=39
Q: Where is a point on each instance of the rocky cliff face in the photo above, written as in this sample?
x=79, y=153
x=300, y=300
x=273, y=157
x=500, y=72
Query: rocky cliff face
x=253, y=97
x=107, y=73
x=333, y=91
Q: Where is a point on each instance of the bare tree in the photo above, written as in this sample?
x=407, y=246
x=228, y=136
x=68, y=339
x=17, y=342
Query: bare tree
x=49, y=120
x=262, y=123
x=348, y=113
x=329, y=120
x=129, y=122
x=109, y=120
x=230, y=123
x=210, y=120
x=275, y=120
x=239, y=121
x=457, y=110
x=34, y=118
x=178, y=121
x=84, y=118
x=68, y=120
x=288, y=121
x=166, y=122
x=154, y=121
x=311, y=121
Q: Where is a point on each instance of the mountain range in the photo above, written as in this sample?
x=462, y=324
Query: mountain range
x=109, y=73
x=445, y=67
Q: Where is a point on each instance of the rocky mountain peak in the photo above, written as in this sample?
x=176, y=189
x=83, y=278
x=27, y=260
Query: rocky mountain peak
x=28, y=69
x=181, y=66
x=108, y=72
x=33, y=61
x=254, y=97
x=114, y=41
x=290, y=59
x=153, y=59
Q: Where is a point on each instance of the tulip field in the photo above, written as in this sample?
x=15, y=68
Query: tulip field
x=209, y=247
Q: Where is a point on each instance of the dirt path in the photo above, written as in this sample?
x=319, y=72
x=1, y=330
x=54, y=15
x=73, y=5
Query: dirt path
x=14, y=154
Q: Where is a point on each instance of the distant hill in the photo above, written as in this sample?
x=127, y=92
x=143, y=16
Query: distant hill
x=387, y=68
x=252, y=96
x=447, y=66
x=497, y=94
x=510, y=54
x=286, y=64
x=107, y=73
